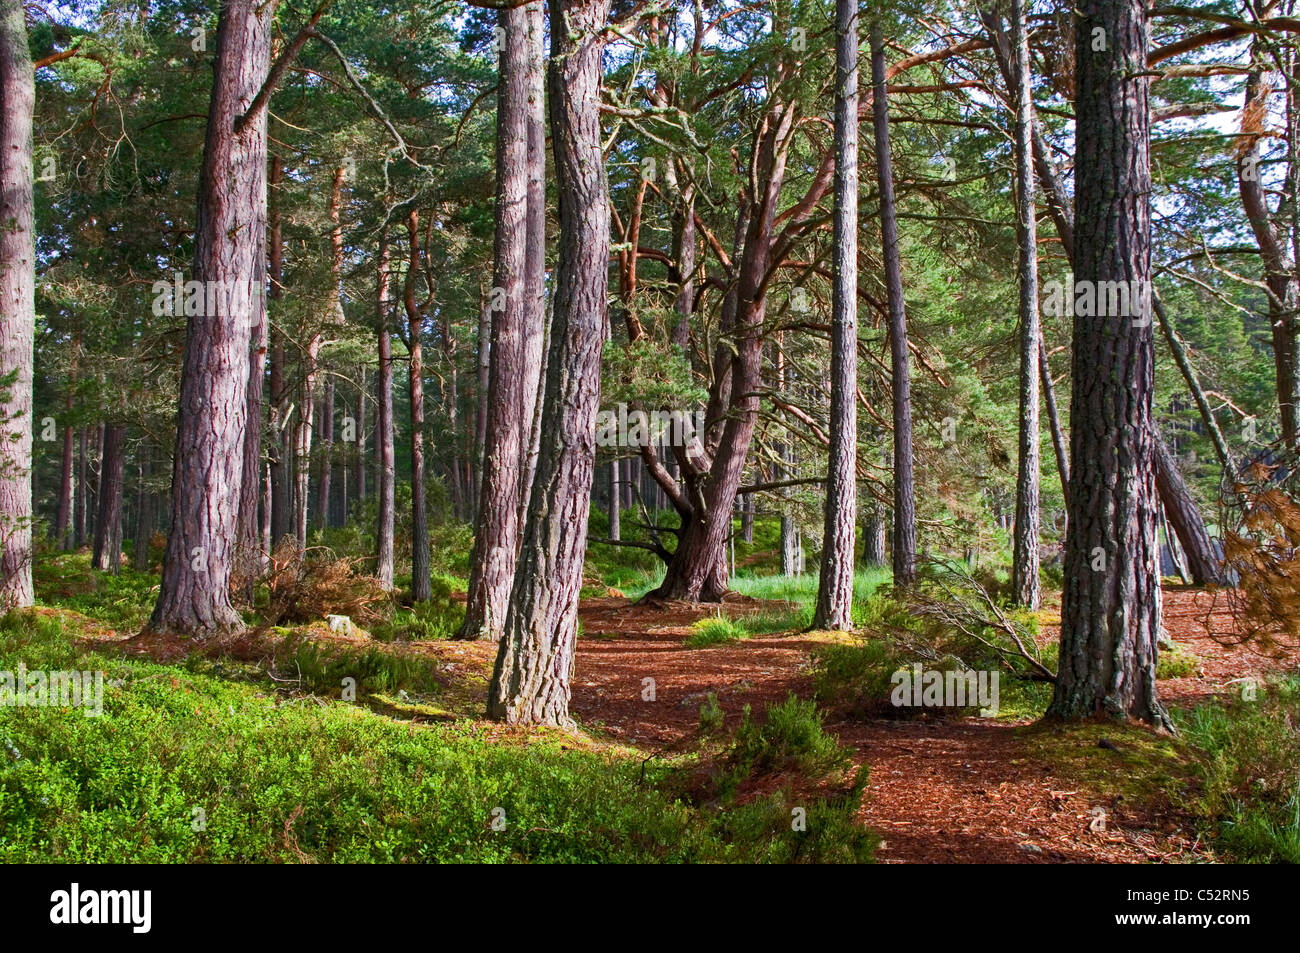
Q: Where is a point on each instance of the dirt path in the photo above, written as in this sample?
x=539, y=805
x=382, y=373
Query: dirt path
x=968, y=790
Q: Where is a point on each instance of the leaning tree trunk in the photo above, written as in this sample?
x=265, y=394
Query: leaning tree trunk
x=530, y=683
x=207, y=473
x=1184, y=517
x=1026, y=588
x=384, y=451
x=107, y=552
x=835, y=585
x=496, y=531
x=904, y=541
x=1110, y=611
x=1283, y=295
x=421, y=585
x=17, y=307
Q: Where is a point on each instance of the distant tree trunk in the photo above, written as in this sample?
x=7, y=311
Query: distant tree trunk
x=1110, y=612
x=282, y=510
x=530, y=682
x=17, y=307
x=615, y=511
x=1026, y=588
x=107, y=555
x=835, y=583
x=249, y=544
x=534, y=337
x=1059, y=445
x=904, y=539
x=1283, y=295
x=484, y=386
x=194, y=597
x=63, y=521
x=510, y=395
x=746, y=517
x=421, y=585
x=384, y=451
x=80, y=493
x=873, y=537
x=361, y=438
x=324, y=484
x=1184, y=517
x=143, y=510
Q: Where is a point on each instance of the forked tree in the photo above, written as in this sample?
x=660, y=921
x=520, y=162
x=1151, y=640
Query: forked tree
x=514, y=355
x=531, y=680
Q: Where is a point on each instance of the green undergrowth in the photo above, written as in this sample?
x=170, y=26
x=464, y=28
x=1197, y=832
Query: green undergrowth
x=205, y=762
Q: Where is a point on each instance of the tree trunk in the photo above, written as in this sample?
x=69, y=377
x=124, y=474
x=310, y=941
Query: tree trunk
x=530, y=682
x=361, y=439
x=17, y=307
x=325, y=484
x=143, y=511
x=835, y=584
x=194, y=597
x=510, y=394
x=421, y=586
x=107, y=554
x=1184, y=517
x=63, y=521
x=1283, y=297
x=615, y=511
x=80, y=503
x=1059, y=446
x=534, y=337
x=1026, y=587
x=904, y=539
x=249, y=545
x=282, y=510
x=1110, y=612
x=384, y=451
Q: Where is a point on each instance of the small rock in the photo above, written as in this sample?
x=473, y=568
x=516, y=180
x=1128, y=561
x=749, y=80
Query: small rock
x=1031, y=848
x=1107, y=744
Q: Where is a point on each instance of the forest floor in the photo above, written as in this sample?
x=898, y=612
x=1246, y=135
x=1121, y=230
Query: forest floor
x=942, y=790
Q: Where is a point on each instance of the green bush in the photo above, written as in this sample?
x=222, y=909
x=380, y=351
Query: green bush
x=186, y=767
x=857, y=676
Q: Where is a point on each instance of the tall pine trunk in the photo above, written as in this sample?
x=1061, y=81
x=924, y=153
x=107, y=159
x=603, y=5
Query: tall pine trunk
x=531, y=679
x=510, y=392
x=17, y=307
x=1110, y=608
x=384, y=451
x=207, y=473
x=904, y=539
x=835, y=585
x=1026, y=587
x=421, y=586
